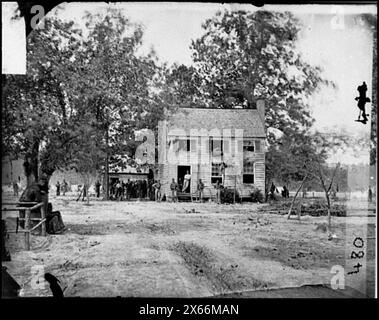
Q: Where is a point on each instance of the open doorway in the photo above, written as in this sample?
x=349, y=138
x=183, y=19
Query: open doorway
x=182, y=171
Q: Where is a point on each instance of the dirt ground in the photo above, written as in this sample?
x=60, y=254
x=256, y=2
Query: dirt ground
x=147, y=249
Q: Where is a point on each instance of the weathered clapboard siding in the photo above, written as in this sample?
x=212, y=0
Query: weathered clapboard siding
x=245, y=124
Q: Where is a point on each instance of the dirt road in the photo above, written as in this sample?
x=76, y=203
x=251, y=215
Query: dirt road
x=134, y=249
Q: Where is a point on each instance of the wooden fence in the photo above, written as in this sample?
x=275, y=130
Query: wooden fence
x=18, y=206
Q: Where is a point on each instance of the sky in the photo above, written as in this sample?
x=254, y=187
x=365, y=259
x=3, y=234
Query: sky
x=331, y=38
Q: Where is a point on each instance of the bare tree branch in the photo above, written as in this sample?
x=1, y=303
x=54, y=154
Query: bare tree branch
x=333, y=176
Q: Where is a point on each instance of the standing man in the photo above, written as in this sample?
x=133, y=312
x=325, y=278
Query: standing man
x=64, y=187
x=157, y=187
x=285, y=192
x=85, y=191
x=15, y=188
x=187, y=179
x=174, y=190
x=118, y=190
x=80, y=191
x=97, y=187
x=273, y=188
x=369, y=194
x=200, y=190
x=58, y=188
x=151, y=191
x=19, y=185
x=218, y=192
x=180, y=184
x=128, y=187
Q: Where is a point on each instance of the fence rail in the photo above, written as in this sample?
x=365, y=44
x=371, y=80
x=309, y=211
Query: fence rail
x=20, y=206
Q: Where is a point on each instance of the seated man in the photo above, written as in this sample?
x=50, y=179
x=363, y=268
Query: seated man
x=54, y=221
x=38, y=192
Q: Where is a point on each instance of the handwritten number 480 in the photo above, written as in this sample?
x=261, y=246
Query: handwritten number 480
x=358, y=243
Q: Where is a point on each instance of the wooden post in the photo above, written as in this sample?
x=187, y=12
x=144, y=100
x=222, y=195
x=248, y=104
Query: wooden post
x=43, y=225
x=235, y=186
x=27, y=227
x=107, y=161
x=27, y=219
x=27, y=240
x=294, y=198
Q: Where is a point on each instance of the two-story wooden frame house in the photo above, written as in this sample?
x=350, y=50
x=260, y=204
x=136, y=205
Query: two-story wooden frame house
x=226, y=145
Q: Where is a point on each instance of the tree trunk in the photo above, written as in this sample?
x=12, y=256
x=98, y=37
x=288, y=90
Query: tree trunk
x=299, y=212
x=107, y=167
x=329, y=211
x=87, y=195
x=31, y=164
x=267, y=186
x=327, y=190
x=294, y=198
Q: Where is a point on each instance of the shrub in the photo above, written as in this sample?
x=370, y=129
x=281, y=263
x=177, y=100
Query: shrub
x=227, y=196
x=257, y=195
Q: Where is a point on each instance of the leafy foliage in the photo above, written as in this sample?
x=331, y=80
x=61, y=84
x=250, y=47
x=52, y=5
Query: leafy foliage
x=36, y=117
x=83, y=97
x=257, y=196
x=227, y=195
x=244, y=56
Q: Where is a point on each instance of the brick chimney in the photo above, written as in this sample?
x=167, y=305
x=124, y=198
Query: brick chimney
x=261, y=108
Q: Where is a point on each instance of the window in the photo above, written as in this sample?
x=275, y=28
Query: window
x=248, y=145
x=248, y=172
x=258, y=146
x=252, y=146
x=216, y=146
x=184, y=145
x=216, y=173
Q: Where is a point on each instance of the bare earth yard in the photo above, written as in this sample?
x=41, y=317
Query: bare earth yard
x=135, y=249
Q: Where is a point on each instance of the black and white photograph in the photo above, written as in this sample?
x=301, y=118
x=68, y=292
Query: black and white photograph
x=189, y=150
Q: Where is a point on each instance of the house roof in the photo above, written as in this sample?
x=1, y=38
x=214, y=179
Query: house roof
x=206, y=118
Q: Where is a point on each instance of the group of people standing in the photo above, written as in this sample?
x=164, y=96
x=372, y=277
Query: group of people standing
x=62, y=187
x=175, y=187
x=140, y=189
x=273, y=189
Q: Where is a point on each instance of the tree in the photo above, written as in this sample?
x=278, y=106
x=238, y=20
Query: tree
x=315, y=169
x=79, y=87
x=327, y=187
x=37, y=122
x=371, y=22
x=117, y=86
x=182, y=87
x=245, y=56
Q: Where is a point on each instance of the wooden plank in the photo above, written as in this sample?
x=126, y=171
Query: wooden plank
x=42, y=222
x=43, y=217
x=16, y=209
x=17, y=231
x=37, y=206
x=27, y=241
x=27, y=219
x=17, y=203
